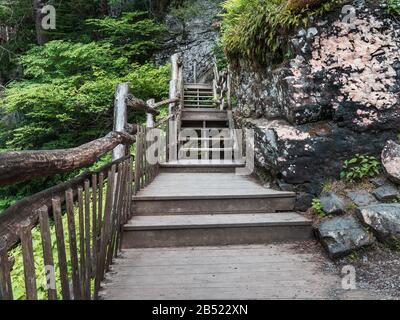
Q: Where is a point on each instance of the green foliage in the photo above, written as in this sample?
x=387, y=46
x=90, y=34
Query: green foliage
x=133, y=34
x=393, y=7
x=327, y=186
x=257, y=29
x=222, y=61
x=65, y=96
x=17, y=274
x=317, y=208
x=360, y=166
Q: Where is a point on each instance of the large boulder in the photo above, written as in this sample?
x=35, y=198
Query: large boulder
x=391, y=160
x=342, y=235
x=339, y=95
x=384, y=220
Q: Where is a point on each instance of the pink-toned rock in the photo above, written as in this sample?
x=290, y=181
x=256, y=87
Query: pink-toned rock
x=391, y=160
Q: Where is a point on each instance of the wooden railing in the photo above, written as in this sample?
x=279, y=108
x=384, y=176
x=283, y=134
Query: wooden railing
x=79, y=222
x=96, y=205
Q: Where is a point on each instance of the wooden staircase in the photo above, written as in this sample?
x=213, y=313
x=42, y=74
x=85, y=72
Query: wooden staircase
x=199, y=199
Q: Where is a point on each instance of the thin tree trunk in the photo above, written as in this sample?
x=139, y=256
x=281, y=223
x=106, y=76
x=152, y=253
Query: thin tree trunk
x=40, y=33
x=104, y=7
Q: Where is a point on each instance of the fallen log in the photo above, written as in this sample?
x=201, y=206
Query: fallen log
x=17, y=166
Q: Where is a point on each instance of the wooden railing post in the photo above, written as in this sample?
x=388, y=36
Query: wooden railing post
x=150, y=118
x=173, y=84
x=120, y=117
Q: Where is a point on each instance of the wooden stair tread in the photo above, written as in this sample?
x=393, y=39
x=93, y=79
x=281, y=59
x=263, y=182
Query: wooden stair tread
x=215, y=221
x=207, y=110
x=186, y=105
x=203, y=163
x=206, y=139
x=168, y=186
x=196, y=149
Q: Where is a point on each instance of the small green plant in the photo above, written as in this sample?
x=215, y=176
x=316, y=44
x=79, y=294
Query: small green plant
x=353, y=256
x=318, y=209
x=351, y=206
x=327, y=186
x=393, y=7
x=359, y=167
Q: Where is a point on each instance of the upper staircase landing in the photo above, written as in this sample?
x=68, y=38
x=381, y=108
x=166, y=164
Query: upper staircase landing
x=198, y=96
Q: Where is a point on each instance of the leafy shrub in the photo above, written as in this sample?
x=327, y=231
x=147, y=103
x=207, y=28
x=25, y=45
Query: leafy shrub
x=133, y=34
x=317, y=208
x=360, y=166
x=67, y=96
x=257, y=29
x=393, y=7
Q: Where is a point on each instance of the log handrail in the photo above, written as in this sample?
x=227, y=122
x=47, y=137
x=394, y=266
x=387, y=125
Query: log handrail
x=17, y=166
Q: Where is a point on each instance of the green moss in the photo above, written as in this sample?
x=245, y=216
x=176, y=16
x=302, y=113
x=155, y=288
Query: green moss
x=258, y=29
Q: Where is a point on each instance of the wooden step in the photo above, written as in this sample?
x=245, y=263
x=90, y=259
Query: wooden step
x=201, y=166
x=195, y=95
x=207, y=204
x=217, y=229
x=196, y=99
x=198, y=105
x=212, y=115
x=198, y=86
x=207, y=193
x=210, y=149
x=207, y=139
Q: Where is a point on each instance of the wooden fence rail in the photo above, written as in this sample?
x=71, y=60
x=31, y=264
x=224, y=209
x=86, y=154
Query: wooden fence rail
x=91, y=231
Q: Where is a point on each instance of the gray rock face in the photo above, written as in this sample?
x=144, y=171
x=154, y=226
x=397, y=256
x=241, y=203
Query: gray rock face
x=195, y=38
x=341, y=235
x=333, y=99
x=384, y=220
x=387, y=192
x=361, y=198
x=391, y=160
x=332, y=203
x=378, y=181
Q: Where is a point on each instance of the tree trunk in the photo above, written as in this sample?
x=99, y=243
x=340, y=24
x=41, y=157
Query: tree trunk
x=104, y=8
x=19, y=166
x=40, y=33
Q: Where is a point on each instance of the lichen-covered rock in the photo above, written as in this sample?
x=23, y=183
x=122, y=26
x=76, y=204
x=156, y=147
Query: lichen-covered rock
x=339, y=95
x=331, y=203
x=341, y=235
x=387, y=192
x=391, y=160
x=384, y=220
x=361, y=198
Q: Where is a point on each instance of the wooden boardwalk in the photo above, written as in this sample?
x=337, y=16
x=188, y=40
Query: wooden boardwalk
x=275, y=271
